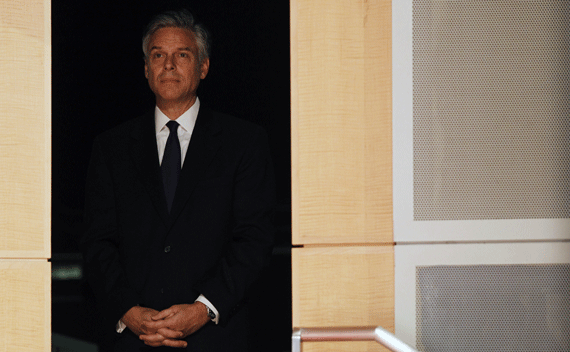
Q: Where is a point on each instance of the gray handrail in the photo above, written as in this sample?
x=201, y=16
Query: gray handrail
x=377, y=334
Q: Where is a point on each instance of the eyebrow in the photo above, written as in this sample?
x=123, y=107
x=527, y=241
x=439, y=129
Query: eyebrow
x=187, y=48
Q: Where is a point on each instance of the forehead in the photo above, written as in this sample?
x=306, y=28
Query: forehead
x=172, y=38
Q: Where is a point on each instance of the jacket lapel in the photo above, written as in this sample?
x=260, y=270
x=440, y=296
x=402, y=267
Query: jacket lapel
x=145, y=156
x=202, y=148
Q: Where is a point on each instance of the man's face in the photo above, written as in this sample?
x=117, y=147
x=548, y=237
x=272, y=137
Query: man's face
x=172, y=68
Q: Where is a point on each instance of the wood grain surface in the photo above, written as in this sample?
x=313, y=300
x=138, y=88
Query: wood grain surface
x=25, y=129
x=341, y=121
x=25, y=175
x=343, y=287
x=25, y=296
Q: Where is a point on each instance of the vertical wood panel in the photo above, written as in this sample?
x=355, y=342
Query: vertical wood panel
x=343, y=286
x=25, y=175
x=341, y=121
x=25, y=297
x=25, y=128
x=350, y=286
x=343, y=346
x=341, y=148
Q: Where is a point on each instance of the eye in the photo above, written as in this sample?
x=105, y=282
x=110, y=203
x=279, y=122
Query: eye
x=183, y=55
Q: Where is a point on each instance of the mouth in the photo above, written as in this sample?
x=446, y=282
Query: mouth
x=169, y=79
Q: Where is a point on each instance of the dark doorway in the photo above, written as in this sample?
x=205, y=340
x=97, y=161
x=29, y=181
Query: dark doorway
x=98, y=82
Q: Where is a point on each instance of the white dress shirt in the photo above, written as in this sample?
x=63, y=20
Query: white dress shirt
x=186, y=123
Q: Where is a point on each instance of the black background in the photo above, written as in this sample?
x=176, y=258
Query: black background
x=98, y=82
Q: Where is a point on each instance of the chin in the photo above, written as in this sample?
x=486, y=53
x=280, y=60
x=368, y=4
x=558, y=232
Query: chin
x=170, y=95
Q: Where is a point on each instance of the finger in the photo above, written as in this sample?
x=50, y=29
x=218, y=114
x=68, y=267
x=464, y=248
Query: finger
x=150, y=327
x=156, y=341
x=171, y=334
x=163, y=314
x=152, y=339
x=153, y=344
x=148, y=313
x=175, y=343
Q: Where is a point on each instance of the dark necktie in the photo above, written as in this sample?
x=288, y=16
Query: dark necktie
x=171, y=161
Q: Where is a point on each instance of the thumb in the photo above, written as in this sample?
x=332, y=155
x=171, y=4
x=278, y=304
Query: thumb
x=163, y=314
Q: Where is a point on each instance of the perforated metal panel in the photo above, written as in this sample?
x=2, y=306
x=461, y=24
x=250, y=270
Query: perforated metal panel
x=493, y=308
x=491, y=109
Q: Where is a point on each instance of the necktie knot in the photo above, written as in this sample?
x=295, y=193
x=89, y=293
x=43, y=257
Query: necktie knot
x=173, y=127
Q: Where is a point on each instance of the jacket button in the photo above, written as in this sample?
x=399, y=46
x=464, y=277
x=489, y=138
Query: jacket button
x=166, y=249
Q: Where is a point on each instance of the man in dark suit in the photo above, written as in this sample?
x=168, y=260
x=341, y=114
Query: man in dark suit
x=178, y=208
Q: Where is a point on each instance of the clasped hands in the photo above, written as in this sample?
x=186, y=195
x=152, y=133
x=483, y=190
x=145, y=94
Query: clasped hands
x=167, y=327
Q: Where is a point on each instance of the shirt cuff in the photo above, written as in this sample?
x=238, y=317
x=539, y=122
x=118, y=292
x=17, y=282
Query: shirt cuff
x=208, y=304
x=120, y=327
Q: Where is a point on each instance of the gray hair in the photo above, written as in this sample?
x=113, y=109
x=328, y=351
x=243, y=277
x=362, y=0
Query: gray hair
x=178, y=19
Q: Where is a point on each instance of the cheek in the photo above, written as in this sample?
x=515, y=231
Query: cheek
x=152, y=72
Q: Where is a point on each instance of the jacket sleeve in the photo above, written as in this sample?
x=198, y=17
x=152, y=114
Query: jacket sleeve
x=99, y=243
x=251, y=240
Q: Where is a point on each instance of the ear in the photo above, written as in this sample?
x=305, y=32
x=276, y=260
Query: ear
x=145, y=69
x=204, y=67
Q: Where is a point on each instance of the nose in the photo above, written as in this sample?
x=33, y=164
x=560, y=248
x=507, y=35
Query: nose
x=169, y=63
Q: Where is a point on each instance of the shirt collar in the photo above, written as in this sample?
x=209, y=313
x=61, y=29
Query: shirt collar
x=187, y=120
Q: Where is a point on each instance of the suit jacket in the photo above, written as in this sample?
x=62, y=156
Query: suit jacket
x=215, y=241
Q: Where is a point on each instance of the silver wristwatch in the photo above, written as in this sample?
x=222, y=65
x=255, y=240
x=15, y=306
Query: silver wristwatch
x=211, y=313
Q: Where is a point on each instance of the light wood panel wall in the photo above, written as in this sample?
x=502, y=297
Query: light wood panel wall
x=343, y=286
x=26, y=301
x=25, y=175
x=341, y=145
x=25, y=128
x=341, y=121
